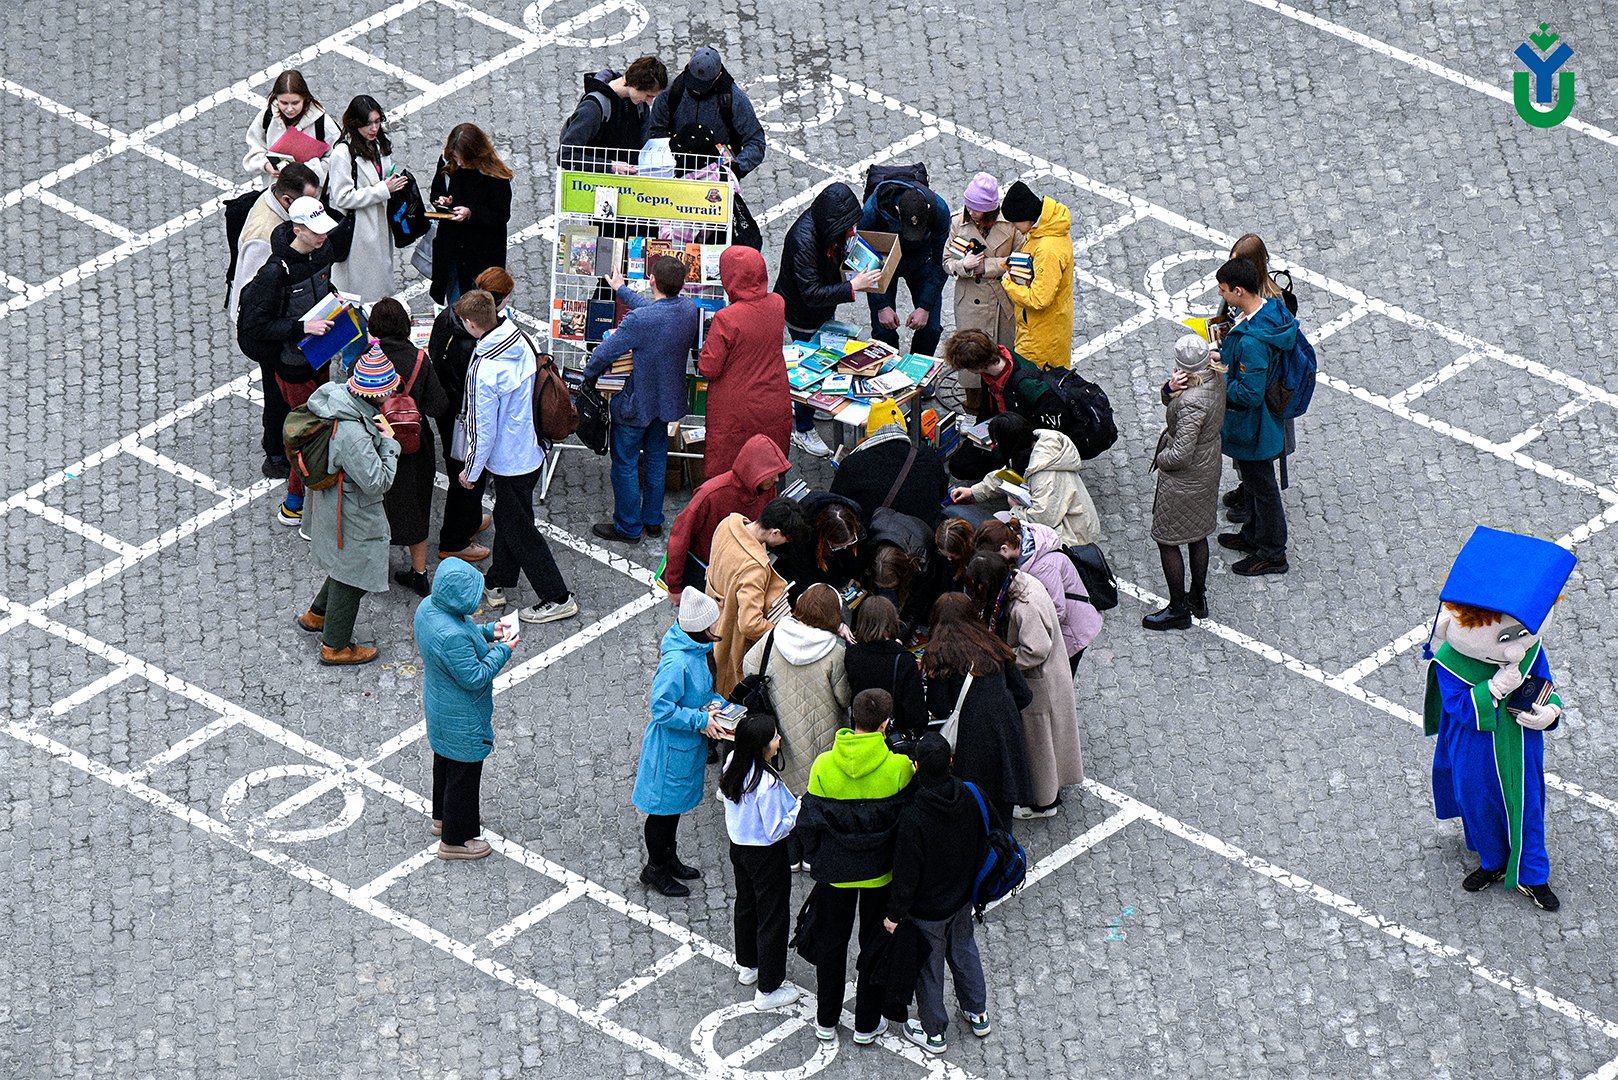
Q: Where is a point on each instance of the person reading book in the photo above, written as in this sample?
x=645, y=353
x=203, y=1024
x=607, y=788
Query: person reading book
x=1048, y=464
x=660, y=332
x=977, y=267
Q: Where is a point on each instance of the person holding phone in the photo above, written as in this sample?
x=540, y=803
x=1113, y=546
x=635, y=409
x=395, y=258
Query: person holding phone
x=459, y=661
x=348, y=526
x=474, y=186
x=361, y=177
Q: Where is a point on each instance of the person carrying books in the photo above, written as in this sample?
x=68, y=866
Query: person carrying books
x=660, y=332
x=1010, y=384
x=497, y=423
x=744, y=583
x=271, y=321
x=811, y=282
x=1044, y=296
x=669, y=780
x=921, y=218
x=289, y=107
x=975, y=256
x=475, y=185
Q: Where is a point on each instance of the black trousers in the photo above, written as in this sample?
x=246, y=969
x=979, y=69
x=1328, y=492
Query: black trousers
x=463, y=507
x=1266, y=524
x=763, y=912
x=455, y=798
x=275, y=412
x=662, y=850
x=837, y=907
x=518, y=543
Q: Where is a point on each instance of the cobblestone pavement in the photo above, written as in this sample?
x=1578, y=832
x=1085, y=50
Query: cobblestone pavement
x=217, y=852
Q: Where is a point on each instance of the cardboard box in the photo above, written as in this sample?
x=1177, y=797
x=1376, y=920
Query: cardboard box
x=887, y=245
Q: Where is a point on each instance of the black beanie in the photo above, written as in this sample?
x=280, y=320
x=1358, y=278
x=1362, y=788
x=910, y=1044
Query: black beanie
x=1021, y=204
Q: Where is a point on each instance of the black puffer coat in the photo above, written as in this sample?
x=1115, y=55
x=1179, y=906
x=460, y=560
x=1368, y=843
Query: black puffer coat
x=811, y=275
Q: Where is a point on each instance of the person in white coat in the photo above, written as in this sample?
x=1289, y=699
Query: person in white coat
x=290, y=105
x=360, y=178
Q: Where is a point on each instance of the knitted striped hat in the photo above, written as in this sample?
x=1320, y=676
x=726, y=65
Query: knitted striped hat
x=373, y=374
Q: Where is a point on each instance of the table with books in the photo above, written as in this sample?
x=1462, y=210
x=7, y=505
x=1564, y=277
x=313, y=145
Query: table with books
x=841, y=378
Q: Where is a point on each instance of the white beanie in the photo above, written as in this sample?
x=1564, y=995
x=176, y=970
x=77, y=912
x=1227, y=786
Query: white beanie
x=1191, y=353
x=698, y=611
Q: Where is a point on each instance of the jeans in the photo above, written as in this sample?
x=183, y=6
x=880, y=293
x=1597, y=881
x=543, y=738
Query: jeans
x=518, y=544
x=295, y=394
x=275, y=412
x=463, y=507
x=1266, y=525
x=339, y=604
x=637, y=495
x=455, y=798
x=763, y=910
x=951, y=942
x=837, y=907
x=923, y=342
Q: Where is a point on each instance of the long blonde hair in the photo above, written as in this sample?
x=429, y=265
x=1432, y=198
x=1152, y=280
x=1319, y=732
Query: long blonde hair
x=1250, y=246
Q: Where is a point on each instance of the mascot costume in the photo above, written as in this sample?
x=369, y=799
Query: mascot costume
x=1490, y=699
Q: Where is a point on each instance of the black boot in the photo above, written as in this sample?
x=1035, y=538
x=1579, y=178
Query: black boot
x=1177, y=616
x=657, y=877
x=1542, y=896
x=683, y=872
x=1197, y=599
x=1233, y=498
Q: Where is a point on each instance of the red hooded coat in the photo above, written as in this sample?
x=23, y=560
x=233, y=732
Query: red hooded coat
x=741, y=359
x=733, y=492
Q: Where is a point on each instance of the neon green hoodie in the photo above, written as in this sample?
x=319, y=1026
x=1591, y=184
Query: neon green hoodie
x=860, y=766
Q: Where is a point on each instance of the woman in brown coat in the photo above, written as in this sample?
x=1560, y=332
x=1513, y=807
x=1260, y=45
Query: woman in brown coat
x=1187, y=461
x=1018, y=609
x=980, y=302
x=745, y=585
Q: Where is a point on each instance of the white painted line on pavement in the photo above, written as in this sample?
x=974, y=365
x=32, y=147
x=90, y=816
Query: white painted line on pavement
x=142, y=452
x=1140, y=319
x=854, y=173
x=1609, y=1071
x=85, y=217
x=1421, y=63
x=504, y=935
x=78, y=527
x=83, y=694
x=1568, y=410
x=376, y=63
x=1296, y=883
x=392, y=876
x=1385, y=655
x=1438, y=378
x=1107, y=231
x=207, y=732
x=1073, y=849
x=1341, y=321
x=641, y=980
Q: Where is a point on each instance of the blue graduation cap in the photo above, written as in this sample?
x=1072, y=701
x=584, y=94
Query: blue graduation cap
x=1518, y=575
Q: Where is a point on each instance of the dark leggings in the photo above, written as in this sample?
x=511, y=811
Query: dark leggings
x=660, y=842
x=339, y=604
x=1174, y=567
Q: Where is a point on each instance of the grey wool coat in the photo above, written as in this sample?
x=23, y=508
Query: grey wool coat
x=368, y=461
x=1187, y=461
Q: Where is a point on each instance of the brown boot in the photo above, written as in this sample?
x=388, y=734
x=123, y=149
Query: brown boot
x=311, y=622
x=348, y=654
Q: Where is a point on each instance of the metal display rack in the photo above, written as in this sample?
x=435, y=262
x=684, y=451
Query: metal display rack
x=657, y=211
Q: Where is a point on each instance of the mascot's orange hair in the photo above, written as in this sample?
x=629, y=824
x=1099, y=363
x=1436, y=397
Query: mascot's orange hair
x=1470, y=617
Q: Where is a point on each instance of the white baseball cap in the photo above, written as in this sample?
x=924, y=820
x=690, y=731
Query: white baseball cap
x=308, y=212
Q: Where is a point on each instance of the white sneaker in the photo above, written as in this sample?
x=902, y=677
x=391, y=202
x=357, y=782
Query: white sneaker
x=866, y=1038
x=543, y=613
x=811, y=443
x=825, y=1034
x=494, y=598
x=1033, y=813
x=746, y=976
x=933, y=1044
x=779, y=997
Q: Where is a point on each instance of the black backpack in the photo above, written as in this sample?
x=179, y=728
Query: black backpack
x=915, y=173
x=1088, y=421
x=407, y=213
x=1100, y=587
x=753, y=692
x=727, y=100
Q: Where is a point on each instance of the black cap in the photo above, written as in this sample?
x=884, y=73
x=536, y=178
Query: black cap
x=914, y=210
x=1021, y=204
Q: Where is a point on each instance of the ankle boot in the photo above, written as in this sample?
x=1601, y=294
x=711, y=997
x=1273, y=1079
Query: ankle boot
x=1176, y=616
x=1197, y=599
x=658, y=877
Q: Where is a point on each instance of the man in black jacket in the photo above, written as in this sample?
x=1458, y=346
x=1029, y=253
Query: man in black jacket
x=270, y=323
x=607, y=128
x=812, y=284
x=705, y=93
x=939, y=848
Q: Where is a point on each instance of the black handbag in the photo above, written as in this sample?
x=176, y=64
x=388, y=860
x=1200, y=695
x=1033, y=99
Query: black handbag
x=407, y=214
x=744, y=228
x=753, y=692
x=1099, y=583
x=809, y=931
x=595, y=418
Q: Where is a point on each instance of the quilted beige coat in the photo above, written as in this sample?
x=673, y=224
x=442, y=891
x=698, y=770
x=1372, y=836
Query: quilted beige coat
x=1050, y=723
x=810, y=691
x=1186, y=508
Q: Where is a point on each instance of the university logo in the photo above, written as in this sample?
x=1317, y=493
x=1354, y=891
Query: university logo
x=1538, y=101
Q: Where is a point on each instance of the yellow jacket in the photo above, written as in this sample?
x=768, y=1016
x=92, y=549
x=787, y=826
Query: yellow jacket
x=1045, y=305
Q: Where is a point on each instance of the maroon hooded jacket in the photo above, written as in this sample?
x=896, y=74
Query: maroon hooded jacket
x=759, y=465
x=741, y=359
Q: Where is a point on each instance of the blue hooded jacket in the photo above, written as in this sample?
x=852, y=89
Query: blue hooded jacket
x=672, y=753
x=923, y=264
x=1252, y=432
x=459, y=662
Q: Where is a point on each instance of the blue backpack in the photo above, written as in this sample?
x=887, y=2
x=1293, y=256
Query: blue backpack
x=1005, y=865
x=1292, y=381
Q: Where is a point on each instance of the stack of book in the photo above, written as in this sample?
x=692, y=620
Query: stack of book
x=946, y=434
x=616, y=375
x=959, y=247
x=346, y=337
x=1020, y=267
x=862, y=257
x=979, y=434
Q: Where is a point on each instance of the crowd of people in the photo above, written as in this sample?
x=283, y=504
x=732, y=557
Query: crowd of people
x=904, y=644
